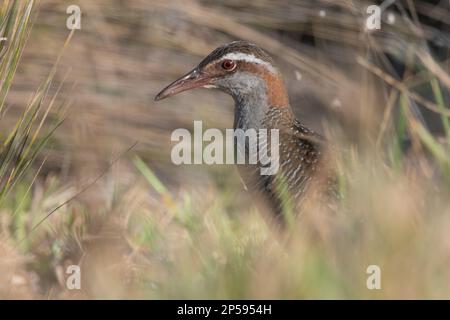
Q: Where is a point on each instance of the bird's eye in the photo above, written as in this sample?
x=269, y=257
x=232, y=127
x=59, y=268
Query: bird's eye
x=228, y=65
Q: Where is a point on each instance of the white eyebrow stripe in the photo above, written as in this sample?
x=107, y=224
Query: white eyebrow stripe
x=239, y=56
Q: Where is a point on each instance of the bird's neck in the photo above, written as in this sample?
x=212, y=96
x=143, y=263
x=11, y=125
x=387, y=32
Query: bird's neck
x=254, y=106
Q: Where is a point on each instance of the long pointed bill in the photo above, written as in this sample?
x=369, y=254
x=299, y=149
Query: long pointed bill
x=194, y=79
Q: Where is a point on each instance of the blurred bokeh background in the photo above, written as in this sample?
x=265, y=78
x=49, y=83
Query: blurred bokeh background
x=150, y=229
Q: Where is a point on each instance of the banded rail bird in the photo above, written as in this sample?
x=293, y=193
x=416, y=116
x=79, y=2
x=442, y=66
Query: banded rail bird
x=249, y=75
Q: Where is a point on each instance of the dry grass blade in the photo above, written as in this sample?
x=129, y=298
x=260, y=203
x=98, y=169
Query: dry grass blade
x=402, y=87
x=24, y=141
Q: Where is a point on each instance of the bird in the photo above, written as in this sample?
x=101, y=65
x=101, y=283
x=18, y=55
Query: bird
x=249, y=74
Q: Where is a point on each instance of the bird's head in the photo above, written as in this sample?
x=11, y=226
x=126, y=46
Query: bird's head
x=239, y=68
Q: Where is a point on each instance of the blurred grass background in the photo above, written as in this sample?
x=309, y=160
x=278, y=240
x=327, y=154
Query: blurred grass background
x=149, y=229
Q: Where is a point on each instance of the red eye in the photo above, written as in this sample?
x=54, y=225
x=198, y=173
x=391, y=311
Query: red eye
x=228, y=65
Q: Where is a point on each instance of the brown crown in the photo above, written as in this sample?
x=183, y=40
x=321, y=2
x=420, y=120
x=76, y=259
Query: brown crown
x=236, y=46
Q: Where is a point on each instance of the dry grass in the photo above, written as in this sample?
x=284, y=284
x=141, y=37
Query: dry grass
x=148, y=229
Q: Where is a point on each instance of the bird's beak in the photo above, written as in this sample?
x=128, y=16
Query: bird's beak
x=193, y=79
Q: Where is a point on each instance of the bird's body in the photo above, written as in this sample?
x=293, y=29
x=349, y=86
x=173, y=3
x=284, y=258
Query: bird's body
x=299, y=157
x=249, y=75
